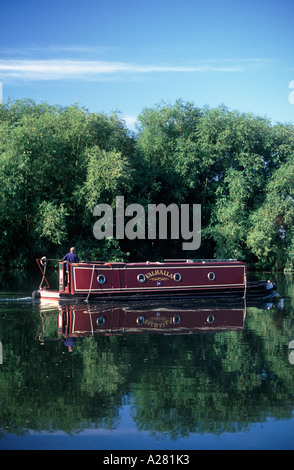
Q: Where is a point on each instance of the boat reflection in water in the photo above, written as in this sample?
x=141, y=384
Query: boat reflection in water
x=74, y=321
x=82, y=320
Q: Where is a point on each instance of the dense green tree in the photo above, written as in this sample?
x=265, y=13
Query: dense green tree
x=58, y=163
x=45, y=170
x=271, y=234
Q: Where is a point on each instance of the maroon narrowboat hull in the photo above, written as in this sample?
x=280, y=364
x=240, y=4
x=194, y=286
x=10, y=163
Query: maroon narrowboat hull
x=152, y=280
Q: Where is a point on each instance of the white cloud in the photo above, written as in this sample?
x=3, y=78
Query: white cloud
x=63, y=69
x=77, y=69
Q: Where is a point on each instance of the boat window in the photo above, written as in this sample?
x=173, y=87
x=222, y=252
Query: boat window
x=141, y=278
x=210, y=319
x=141, y=320
x=177, y=277
x=176, y=319
x=211, y=276
x=101, y=279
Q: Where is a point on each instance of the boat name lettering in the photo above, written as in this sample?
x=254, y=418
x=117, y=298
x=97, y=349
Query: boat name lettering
x=161, y=322
x=159, y=272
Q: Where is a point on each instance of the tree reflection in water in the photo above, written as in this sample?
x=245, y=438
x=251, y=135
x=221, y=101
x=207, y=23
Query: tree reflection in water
x=181, y=371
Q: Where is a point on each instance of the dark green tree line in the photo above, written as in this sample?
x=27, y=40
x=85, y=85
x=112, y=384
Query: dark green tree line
x=58, y=163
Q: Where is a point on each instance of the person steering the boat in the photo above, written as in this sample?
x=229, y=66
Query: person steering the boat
x=71, y=257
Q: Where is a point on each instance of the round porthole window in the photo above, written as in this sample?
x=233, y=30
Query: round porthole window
x=140, y=320
x=141, y=278
x=176, y=319
x=211, y=276
x=177, y=277
x=100, y=321
x=210, y=319
x=101, y=279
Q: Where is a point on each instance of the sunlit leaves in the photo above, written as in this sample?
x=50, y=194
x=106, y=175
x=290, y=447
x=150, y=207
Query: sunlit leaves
x=51, y=223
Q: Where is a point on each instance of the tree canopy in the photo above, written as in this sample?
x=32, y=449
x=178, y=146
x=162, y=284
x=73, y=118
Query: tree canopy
x=57, y=163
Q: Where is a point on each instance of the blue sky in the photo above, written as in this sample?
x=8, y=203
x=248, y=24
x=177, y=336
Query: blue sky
x=125, y=55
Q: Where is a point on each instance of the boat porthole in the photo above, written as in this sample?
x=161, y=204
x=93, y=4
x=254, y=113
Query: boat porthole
x=141, y=278
x=100, y=321
x=210, y=318
x=101, y=279
x=177, y=277
x=176, y=319
x=140, y=320
x=211, y=276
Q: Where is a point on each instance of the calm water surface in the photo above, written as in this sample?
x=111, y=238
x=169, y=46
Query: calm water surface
x=171, y=377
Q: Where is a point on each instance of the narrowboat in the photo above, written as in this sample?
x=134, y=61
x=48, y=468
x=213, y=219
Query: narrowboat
x=171, y=278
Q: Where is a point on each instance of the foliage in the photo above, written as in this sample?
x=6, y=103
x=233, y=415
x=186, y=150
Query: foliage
x=58, y=163
x=46, y=176
x=271, y=236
